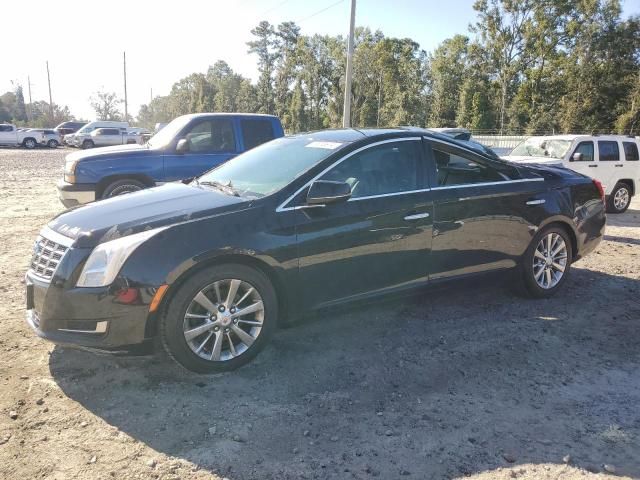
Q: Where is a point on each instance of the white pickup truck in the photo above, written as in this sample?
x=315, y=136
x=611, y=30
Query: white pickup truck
x=10, y=135
x=614, y=160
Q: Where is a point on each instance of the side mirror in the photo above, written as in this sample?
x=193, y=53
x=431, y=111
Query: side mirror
x=577, y=157
x=323, y=192
x=182, y=146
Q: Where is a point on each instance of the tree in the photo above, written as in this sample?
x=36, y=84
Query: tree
x=265, y=48
x=20, y=113
x=105, y=105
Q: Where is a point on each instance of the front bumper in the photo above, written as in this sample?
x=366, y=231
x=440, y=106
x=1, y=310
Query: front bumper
x=93, y=318
x=74, y=194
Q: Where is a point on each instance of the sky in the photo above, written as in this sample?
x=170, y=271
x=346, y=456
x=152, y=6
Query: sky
x=84, y=40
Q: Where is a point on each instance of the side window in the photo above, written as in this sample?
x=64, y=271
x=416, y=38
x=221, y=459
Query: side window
x=586, y=149
x=387, y=168
x=608, y=151
x=631, y=151
x=256, y=132
x=212, y=136
x=6, y=128
x=455, y=169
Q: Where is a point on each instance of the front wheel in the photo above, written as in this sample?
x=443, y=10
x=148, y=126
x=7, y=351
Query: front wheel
x=219, y=319
x=546, y=263
x=29, y=143
x=120, y=187
x=88, y=144
x=52, y=144
x=619, y=199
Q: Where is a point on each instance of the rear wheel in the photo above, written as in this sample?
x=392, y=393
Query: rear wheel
x=546, y=263
x=120, y=187
x=88, y=144
x=29, y=143
x=52, y=144
x=619, y=199
x=219, y=319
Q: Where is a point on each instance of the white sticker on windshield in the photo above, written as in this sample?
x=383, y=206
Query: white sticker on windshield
x=327, y=145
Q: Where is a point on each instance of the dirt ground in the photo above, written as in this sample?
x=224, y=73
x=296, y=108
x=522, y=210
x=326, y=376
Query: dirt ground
x=461, y=382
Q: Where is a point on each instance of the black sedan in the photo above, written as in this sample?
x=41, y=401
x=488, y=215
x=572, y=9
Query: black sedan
x=210, y=268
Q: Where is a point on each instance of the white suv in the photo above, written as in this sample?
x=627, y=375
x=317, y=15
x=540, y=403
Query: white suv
x=612, y=159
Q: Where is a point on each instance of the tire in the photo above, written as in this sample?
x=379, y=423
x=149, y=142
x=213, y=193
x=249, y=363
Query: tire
x=531, y=280
x=29, y=143
x=52, y=144
x=619, y=199
x=120, y=187
x=88, y=144
x=175, y=323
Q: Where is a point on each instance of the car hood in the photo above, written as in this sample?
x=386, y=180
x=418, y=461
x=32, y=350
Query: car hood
x=124, y=215
x=117, y=151
x=540, y=160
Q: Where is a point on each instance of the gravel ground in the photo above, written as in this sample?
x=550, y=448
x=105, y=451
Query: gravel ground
x=467, y=381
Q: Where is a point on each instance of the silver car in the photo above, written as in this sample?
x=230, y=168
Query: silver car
x=104, y=137
x=51, y=137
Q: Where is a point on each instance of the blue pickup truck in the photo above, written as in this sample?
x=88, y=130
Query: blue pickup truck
x=185, y=148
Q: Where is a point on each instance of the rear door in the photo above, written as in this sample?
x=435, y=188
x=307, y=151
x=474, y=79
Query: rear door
x=610, y=163
x=483, y=212
x=210, y=142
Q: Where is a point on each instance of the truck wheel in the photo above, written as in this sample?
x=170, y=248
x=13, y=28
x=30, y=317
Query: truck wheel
x=619, y=199
x=29, y=143
x=121, y=187
x=219, y=319
x=88, y=144
x=52, y=144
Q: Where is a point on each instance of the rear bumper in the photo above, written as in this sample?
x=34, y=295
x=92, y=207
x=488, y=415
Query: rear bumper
x=74, y=194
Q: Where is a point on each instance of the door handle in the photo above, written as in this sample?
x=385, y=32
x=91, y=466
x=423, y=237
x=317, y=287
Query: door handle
x=593, y=166
x=416, y=216
x=619, y=165
x=536, y=202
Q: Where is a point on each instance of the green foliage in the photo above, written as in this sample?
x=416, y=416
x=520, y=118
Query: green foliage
x=530, y=66
x=105, y=105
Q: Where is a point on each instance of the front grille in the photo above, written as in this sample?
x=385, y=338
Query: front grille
x=47, y=254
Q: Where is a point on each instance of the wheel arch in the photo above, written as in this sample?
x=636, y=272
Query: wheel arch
x=231, y=258
x=630, y=183
x=106, y=181
x=568, y=227
x=24, y=140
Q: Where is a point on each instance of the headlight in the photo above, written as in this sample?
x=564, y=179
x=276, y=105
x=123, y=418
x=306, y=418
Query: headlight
x=107, y=259
x=70, y=170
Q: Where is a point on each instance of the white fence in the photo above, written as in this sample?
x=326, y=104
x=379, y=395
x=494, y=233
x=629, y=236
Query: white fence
x=501, y=144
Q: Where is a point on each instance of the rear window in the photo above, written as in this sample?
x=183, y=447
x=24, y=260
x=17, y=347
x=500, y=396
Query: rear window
x=256, y=132
x=630, y=151
x=6, y=128
x=609, y=151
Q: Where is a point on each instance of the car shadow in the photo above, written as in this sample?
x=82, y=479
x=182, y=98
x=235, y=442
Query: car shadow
x=447, y=383
x=630, y=218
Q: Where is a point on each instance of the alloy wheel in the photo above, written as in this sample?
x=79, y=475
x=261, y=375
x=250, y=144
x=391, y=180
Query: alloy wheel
x=621, y=198
x=550, y=260
x=223, y=320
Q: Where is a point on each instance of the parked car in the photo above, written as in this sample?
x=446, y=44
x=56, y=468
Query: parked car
x=82, y=138
x=15, y=137
x=185, y=148
x=52, y=138
x=612, y=159
x=104, y=137
x=66, y=128
x=295, y=225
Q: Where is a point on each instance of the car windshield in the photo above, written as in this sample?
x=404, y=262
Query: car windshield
x=542, y=147
x=168, y=133
x=269, y=167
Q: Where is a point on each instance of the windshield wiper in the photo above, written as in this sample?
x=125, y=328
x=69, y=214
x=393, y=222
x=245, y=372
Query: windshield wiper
x=226, y=188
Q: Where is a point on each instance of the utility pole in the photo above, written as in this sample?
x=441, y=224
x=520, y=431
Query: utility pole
x=30, y=102
x=151, y=97
x=346, y=114
x=50, y=100
x=126, y=110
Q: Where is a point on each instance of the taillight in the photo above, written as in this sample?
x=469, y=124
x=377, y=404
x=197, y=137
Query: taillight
x=600, y=188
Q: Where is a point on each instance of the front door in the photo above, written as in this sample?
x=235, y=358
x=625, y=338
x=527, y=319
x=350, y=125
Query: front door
x=483, y=212
x=377, y=241
x=210, y=142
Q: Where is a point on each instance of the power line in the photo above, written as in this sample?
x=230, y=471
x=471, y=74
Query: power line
x=319, y=11
x=269, y=10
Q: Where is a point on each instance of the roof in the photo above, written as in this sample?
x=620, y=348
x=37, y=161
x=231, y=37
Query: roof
x=228, y=114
